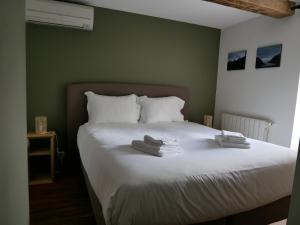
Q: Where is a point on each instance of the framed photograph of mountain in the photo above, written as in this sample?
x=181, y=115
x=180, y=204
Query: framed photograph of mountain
x=236, y=60
x=269, y=56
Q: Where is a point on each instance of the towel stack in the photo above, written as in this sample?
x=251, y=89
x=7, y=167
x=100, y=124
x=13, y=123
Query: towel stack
x=157, y=147
x=232, y=140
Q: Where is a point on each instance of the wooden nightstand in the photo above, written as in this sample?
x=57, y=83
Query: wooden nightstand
x=41, y=157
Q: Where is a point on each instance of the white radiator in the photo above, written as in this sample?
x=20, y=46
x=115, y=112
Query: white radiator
x=249, y=127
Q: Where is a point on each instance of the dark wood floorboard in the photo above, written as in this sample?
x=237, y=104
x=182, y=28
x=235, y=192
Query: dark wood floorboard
x=64, y=202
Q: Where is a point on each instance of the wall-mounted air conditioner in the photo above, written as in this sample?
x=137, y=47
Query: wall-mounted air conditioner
x=57, y=13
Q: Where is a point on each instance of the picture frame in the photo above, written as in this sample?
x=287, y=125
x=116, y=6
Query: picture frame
x=208, y=120
x=41, y=124
x=268, y=56
x=237, y=60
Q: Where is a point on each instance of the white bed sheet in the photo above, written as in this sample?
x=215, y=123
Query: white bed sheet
x=207, y=182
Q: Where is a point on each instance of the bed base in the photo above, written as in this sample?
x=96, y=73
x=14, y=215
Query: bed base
x=264, y=215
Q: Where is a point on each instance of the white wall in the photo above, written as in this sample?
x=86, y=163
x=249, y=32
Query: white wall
x=296, y=130
x=266, y=93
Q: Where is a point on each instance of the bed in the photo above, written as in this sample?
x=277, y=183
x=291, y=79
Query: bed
x=206, y=185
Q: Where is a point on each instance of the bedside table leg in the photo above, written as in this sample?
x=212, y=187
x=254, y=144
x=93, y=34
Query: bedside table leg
x=52, y=158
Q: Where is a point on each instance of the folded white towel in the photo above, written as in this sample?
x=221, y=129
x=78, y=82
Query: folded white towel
x=234, y=140
x=224, y=143
x=232, y=134
x=160, y=151
x=160, y=142
x=234, y=137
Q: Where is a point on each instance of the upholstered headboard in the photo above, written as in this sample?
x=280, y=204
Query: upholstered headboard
x=76, y=100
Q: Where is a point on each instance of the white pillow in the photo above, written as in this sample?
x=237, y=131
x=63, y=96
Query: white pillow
x=166, y=109
x=114, y=109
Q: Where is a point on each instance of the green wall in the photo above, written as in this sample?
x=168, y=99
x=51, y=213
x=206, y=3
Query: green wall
x=14, y=206
x=123, y=47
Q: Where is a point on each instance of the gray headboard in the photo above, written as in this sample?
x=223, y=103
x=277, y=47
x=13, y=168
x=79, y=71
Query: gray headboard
x=76, y=101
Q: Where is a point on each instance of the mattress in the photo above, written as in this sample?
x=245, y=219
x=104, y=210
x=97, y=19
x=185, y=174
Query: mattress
x=206, y=182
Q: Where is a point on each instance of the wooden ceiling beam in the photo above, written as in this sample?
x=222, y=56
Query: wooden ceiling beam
x=272, y=8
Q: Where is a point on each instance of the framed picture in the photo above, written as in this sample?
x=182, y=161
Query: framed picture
x=237, y=60
x=268, y=56
x=41, y=124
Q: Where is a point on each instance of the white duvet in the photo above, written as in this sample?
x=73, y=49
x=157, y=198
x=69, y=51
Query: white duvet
x=204, y=183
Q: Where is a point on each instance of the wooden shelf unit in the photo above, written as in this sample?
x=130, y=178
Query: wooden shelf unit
x=41, y=151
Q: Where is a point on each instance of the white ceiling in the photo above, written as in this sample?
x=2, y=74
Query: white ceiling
x=191, y=11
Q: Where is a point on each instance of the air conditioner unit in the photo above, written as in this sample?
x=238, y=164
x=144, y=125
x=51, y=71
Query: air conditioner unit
x=57, y=13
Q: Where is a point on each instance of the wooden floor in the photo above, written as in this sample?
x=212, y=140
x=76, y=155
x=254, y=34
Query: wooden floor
x=65, y=202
